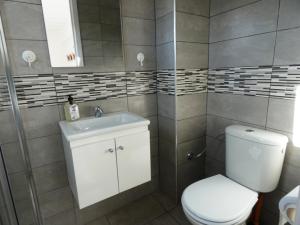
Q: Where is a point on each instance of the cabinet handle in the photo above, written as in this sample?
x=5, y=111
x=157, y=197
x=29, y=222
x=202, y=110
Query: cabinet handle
x=110, y=150
x=121, y=148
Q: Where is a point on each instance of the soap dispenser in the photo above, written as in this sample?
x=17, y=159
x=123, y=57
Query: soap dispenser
x=71, y=110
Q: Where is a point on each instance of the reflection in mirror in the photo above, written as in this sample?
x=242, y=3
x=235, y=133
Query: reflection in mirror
x=62, y=28
x=95, y=24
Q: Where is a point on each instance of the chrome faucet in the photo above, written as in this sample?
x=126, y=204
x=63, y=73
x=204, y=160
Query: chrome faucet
x=98, y=111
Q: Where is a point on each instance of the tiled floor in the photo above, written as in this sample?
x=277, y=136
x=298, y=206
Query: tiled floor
x=154, y=209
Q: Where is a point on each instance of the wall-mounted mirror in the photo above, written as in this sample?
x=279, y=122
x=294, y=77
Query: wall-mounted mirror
x=63, y=35
x=81, y=32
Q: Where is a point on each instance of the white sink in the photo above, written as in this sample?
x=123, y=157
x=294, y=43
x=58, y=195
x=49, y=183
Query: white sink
x=108, y=123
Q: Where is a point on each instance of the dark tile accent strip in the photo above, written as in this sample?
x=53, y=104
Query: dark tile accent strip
x=285, y=80
x=141, y=83
x=4, y=96
x=191, y=81
x=90, y=86
x=35, y=90
x=252, y=81
x=166, y=82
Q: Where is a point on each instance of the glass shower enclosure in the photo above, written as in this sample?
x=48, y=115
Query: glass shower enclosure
x=19, y=203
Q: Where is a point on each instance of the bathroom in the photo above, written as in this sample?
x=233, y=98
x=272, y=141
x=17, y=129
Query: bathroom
x=183, y=71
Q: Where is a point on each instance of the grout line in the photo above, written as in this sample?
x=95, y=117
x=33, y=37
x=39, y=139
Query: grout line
x=138, y=18
x=16, y=1
x=247, y=36
x=192, y=14
x=233, y=9
x=273, y=60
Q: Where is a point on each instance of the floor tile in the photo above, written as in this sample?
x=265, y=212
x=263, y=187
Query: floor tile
x=164, y=200
x=139, y=212
x=165, y=219
x=179, y=216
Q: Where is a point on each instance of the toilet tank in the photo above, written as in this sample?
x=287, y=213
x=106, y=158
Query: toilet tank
x=254, y=157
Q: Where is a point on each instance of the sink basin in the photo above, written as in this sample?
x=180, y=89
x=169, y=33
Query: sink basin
x=108, y=123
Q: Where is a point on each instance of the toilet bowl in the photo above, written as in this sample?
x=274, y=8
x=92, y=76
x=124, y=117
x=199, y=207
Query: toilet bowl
x=217, y=200
x=254, y=160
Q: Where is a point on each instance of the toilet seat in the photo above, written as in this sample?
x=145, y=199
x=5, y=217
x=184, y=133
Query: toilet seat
x=218, y=200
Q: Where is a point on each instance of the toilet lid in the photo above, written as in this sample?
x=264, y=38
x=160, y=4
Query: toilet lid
x=218, y=199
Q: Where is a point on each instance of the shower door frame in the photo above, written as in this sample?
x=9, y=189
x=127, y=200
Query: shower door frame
x=21, y=138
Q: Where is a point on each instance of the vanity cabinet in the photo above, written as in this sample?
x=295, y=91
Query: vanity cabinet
x=105, y=165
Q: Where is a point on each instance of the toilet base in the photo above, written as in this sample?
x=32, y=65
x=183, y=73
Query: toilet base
x=194, y=222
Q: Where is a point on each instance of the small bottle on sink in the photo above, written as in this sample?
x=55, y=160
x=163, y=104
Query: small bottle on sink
x=71, y=110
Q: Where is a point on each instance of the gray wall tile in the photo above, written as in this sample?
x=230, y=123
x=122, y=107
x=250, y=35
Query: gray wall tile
x=165, y=29
x=19, y=186
x=144, y=105
x=191, y=28
x=24, y=211
x=163, y=7
x=249, y=51
x=92, y=48
x=42, y=121
x=55, y=202
x=112, y=49
x=8, y=132
x=215, y=149
x=131, y=62
x=191, y=128
x=190, y=172
x=45, y=150
x=238, y=107
x=41, y=66
x=281, y=114
x=191, y=55
x=287, y=47
x=219, y=6
x=12, y=157
x=165, y=56
x=23, y=21
x=190, y=105
x=195, y=146
x=253, y=19
x=166, y=129
x=50, y=177
x=90, y=31
x=166, y=105
x=193, y=6
x=292, y=156
x=167, y=152
x=289, y=178
x=138, y=31
x=289, y=14
x=138, y=8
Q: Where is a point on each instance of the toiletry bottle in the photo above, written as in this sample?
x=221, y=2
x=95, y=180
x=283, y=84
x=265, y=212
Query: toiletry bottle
x=71, y=110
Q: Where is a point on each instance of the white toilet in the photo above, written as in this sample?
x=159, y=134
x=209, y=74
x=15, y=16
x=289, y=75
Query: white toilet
x=254, y=160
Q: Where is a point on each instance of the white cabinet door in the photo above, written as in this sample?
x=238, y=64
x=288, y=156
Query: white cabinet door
x=133, y=156
x=95, y=172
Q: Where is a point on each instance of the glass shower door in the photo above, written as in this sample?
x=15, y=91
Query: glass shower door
x=7, y=209
x=18, y=199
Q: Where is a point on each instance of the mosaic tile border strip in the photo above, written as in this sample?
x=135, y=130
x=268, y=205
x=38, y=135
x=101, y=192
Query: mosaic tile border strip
x=90, y=86
x=4, y=96
x=50, y=89
x=265, y=81
x=284, y=81
x=252, y=81
x=166, y=82
x=35, y=90
x=191, y=81
x=141, y=83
